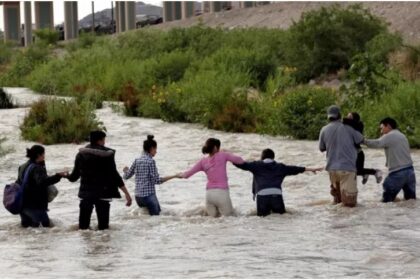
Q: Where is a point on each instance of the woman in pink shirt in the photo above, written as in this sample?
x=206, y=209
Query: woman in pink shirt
x=217, y=191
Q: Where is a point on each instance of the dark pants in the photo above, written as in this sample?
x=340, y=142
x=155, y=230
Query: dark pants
x=34, y=218
x=360, y=164
x=150, y=202
x=267, y=204
x=102, y=212
x=404, y=179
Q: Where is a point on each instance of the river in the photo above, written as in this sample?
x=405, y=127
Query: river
x=315, y=239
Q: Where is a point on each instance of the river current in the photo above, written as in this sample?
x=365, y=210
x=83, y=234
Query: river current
x=314, y=239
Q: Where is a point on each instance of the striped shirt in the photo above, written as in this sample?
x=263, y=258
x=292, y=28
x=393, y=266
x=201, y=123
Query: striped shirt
x=147, y=175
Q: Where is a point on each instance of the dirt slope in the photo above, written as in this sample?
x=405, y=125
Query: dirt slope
x=403, y=17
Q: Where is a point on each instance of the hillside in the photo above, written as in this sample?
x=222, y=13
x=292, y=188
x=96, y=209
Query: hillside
x=403, y=17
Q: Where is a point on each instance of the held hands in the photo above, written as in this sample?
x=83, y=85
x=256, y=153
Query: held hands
x=63, y=174
x=125, y=169
x=179, y=175
x=315, y=170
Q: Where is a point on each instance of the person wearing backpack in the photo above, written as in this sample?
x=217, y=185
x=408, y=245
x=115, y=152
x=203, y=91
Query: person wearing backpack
x=35, y=191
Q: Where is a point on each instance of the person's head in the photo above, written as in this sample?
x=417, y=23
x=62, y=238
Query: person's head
x=333, y=113
x=211, y=146
x=354, y=116
x=97, y=137
x=150, y=145
x=267, y=154
x=36, y=153
x=387, y=125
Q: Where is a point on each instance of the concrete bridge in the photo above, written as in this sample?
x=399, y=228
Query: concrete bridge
x=125, y=15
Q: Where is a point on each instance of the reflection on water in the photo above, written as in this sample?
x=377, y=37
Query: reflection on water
x=314, y=239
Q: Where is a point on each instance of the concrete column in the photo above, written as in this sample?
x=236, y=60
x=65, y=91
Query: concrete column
x=44, y=15
x=188, y=9
x=71, y=26
x=177, y=10
x=216, y=6
x=117, y=17
x=248, y=4
x=168, y=11
x=120, y=16
x=130, y=15
x=11, y=18
x=28, y=23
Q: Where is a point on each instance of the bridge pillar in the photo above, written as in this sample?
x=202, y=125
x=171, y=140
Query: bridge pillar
x=28, y=23
x=71, y=20
x=130, y=15
x=44, y=15
x=11, y=18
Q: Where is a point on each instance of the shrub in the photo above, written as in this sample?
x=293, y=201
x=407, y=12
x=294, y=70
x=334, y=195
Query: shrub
x=47, y=36
x=325, y=40
x=5, y=100
x=407, y=62
x=302, y=111
x=401, y=103
x=52, y=121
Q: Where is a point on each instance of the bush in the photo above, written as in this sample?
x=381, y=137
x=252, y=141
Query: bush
x=5, y=100
x=52, y=121
x=302, y=111
x=325, y=40
x=402, y=103
x=47, y=36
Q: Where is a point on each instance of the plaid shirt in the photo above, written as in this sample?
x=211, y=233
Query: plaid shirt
x=147, y=175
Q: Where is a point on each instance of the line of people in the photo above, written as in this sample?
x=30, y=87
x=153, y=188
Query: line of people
x=100, y=180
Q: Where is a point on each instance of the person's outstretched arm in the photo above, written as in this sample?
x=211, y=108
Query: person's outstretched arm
x=196, y=168
x=247, y=166
x=129, y=172
x=377, y=143
x=234, y=158
x=75, y=174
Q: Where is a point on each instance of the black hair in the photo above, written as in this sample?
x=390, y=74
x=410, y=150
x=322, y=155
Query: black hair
x=149, y=143
x=389, y=121
x=267, y=153
x=34, y=152
x=210, y=144
x=356, y=116
x=96, y=136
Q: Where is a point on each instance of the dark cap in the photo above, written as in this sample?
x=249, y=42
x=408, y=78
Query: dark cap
x=333, y=112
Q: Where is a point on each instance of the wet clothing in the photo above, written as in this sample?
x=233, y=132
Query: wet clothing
x=267, y=204
x=151, y=203
x=339, y=141
x=99, y=183
x=360, y=162
x=344, y=187
x=403, y=179
x=147, y=175
x=397, y=149
x=218, y=202
x=35, y=194
x=266, y=186
x=102, y=208
x=215, y=169
x=95, y=165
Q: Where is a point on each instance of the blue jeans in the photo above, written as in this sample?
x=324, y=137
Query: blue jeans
x=404, y=179
x=150, y=202
x=34, y=218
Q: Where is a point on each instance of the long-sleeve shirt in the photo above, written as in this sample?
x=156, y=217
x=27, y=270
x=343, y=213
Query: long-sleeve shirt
x=215, y=169
x=397, y=149
x=147, y=175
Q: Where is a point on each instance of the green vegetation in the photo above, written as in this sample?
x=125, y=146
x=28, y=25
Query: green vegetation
x=59, y=121
x=245, y=80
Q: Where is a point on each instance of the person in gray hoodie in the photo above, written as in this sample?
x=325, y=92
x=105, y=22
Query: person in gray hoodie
x=398, y=160
x=268, y=177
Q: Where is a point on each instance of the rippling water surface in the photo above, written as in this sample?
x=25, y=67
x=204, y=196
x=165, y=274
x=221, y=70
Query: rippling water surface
x=314, y=239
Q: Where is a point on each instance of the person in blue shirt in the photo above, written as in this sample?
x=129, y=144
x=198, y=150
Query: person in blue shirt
x=268, y=177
